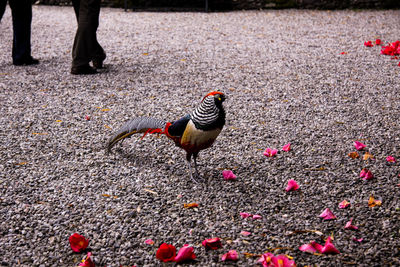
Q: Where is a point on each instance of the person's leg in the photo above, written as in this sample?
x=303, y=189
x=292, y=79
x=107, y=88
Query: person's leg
x=21, y=11
x=3, y=4
x=85, y=46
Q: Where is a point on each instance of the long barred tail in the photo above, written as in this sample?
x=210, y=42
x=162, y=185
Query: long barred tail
x=138, y=125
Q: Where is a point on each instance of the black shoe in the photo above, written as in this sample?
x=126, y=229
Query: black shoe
x=26, y=61
x=82, y=70
x=97, y=64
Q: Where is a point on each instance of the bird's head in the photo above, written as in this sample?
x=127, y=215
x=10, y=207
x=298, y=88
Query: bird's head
x=219, y=97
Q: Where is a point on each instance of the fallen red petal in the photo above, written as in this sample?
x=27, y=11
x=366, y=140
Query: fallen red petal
x=166, y=252
x=87, y=261
x=231, y=256
x=344, y=204
x=350, y=226
x=292, y=186
x=368, y=44
x=359, y=146
x=78, y=243
x=212, y=243
x=186, y=253
x=327, y=215
x=228, y=175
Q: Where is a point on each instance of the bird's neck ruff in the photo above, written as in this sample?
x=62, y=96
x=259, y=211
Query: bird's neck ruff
x=208, y=115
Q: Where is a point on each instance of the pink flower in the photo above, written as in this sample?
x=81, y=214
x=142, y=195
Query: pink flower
x=350, y=226
x=149, y=242
x=329, y=248
x=366, y=174
x=282, y=261
x=228, y=175
x=245, y=233
x=378, y=41
x=327, y=215
x=231, y=255
x=344, y=204
x=292, y=186
x=212, y=243
x=256, y=217
x=245, y=215
x=266, y=259
x=368, y=44
x=78, y=243
x=390, y=159
x=269, y=152
x=286, y=147
x=185, y=253
x=87, y=261
x=359, y=145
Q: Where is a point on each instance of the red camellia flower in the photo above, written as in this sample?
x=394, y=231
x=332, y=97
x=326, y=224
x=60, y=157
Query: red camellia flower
x=212, y=243
x=166, y=252
x=368, y=44
x=78, y=243
x=87, y=261
x=378, y=41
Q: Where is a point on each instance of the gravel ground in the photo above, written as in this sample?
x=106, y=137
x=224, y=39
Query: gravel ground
x=286, y=80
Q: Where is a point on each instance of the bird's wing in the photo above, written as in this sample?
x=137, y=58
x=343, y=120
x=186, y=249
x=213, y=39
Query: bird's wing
x=177, y=128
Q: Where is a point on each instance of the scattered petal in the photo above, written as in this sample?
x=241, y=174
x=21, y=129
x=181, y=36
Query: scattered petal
x=309, y=248
x=166, y=252
x=286, y=147
x=368, y=156
x=378, y=41
x=327, y=215
x=245, y=215
x=87, y=261
x=228, y=175
x=78, y=243
x=329, y=248
x=359, y=146
x=344, y=204
x=186, y=253
x=245, y=233
x=372, y=202
x=292, y=186
x=366, y=174
x=269, y=152
x=266, y=259
x=230, y=256
x=354, y=155
x=358, y=239
x=87, y=117
x=190, y=205
x=368, y=44
x=350, y=226
x=212, y=243
x=256, y=217
x=343, y=53
x=149, y=242
x=390, y=159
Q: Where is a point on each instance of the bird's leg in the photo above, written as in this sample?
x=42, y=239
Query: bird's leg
x=188, y=157
x=195, y=165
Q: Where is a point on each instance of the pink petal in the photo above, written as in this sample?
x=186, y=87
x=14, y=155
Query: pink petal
x=269, y=152
x=327, y=215
x=87, y=261
x=378, y=41
x=366, y=174
x=350, y=226
x=308, y=248
x=344, y=204
x=359, y=145
x=368, y=44
x=286, y=147
x=228, y=175
x=256, y=217
x=358, y=240
x=292, y=186
x=391, y=159
x=87, y=117
x=329, y=248
x=245, y=233
x=149, y=242
x=185, y=253
x=231, y=255
x=245, y=215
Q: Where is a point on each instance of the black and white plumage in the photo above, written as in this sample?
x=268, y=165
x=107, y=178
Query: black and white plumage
x=194, y=132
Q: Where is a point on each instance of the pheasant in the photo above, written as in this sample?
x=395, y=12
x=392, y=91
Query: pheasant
x=194, y=132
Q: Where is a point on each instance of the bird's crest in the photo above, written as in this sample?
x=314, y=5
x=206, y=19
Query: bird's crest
x=212, y=93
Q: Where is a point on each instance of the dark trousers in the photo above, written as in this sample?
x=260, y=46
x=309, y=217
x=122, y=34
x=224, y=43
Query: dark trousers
x=21, y=11
x=86, y=48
